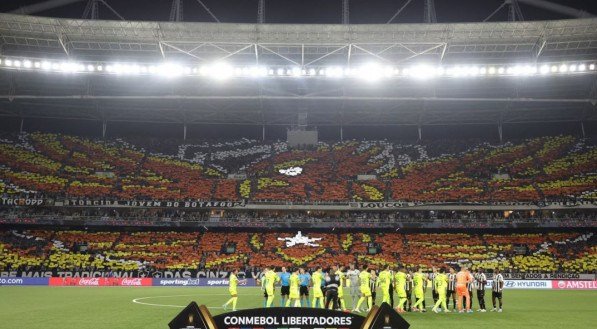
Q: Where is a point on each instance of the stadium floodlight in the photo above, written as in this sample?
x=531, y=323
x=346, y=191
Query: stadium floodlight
x=472, y=71
x=37, y=65
x=335, y=72
x=27, y=64
x=370, y=72
x=295, y=71
x=388, y=71
x=491, y=70
x=218, y=71
x=554, y=69
x=257, y=71
x=582, y=67
x=592, y=67
x=529, y=69
x=8, y=62
x=312, y=71
x=572, y=68
x=544, y=69
x=422, y=72
x=501, y=70
x=483, y=70
x=68, y=67
x=90, y=68
x=563, y=68
x=280, y=71
x=459, y=71
x=170, y=70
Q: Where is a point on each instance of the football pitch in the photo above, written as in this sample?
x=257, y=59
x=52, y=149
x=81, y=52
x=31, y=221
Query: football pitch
x=154, y=307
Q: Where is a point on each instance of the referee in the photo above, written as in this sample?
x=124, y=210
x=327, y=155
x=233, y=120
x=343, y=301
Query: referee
x=304, y=281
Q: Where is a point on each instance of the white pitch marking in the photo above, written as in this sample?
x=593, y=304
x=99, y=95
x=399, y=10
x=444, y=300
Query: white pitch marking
x=138, y=300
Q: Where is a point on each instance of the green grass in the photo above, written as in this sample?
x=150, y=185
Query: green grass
x=113, y=307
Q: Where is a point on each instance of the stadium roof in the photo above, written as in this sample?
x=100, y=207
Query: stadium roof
x=277, y=101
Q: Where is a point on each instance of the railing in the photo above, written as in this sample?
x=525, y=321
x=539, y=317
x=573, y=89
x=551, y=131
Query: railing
x=305, y=222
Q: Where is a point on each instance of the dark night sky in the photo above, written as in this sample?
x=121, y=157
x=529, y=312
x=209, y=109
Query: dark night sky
x=307, y=11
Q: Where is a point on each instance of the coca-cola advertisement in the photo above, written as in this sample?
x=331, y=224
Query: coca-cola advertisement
x=101, y=282
x=574, y=285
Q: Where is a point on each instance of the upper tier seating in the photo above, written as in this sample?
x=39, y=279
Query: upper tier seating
x=545, y=168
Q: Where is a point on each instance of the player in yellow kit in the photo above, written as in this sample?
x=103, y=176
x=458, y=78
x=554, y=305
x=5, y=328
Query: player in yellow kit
x=342, y=276
x=400, y=280
x=317, y=279
x=419, y=280
x=384, y=280
x=365, y=279
x=441, y=286
x=294, y=294
x=233, y=283
x=269, y=280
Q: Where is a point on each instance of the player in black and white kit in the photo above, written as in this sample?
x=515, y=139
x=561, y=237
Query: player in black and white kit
x=434, y=293
x=451, y=294
x=353, y=277
x=481, y=280
x=373, y=285
x=497, y=286
x=409, y=290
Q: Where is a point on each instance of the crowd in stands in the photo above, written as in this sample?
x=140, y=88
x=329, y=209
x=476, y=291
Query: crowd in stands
x=573, y=252
x=560, y=168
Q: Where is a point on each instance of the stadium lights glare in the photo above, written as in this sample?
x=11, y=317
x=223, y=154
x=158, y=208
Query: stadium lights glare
x=371, y=71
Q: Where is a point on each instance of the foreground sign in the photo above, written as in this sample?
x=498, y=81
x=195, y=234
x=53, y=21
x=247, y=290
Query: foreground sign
x=23, y=281
x=101, y=282
x=574, y=285
x=199, y=317
x=202, y=282
x=527, y=284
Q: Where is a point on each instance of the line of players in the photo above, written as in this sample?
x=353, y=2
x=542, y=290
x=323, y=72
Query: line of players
x=327, y=288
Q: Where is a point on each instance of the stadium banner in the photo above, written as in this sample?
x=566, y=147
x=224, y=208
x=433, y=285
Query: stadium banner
x=546, y=276
x=101, y=282
x=150, y=203
x=527, y=284
x=12, y=281
x=574, y=285
x=381, y=205
x=21, y=202
x=202, y=282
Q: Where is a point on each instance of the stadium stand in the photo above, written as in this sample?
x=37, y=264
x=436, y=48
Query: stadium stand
x=572, y=252
x=539, y=169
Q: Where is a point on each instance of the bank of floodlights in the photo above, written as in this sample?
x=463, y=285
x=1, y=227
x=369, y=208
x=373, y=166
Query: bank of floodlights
x=367, y=72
